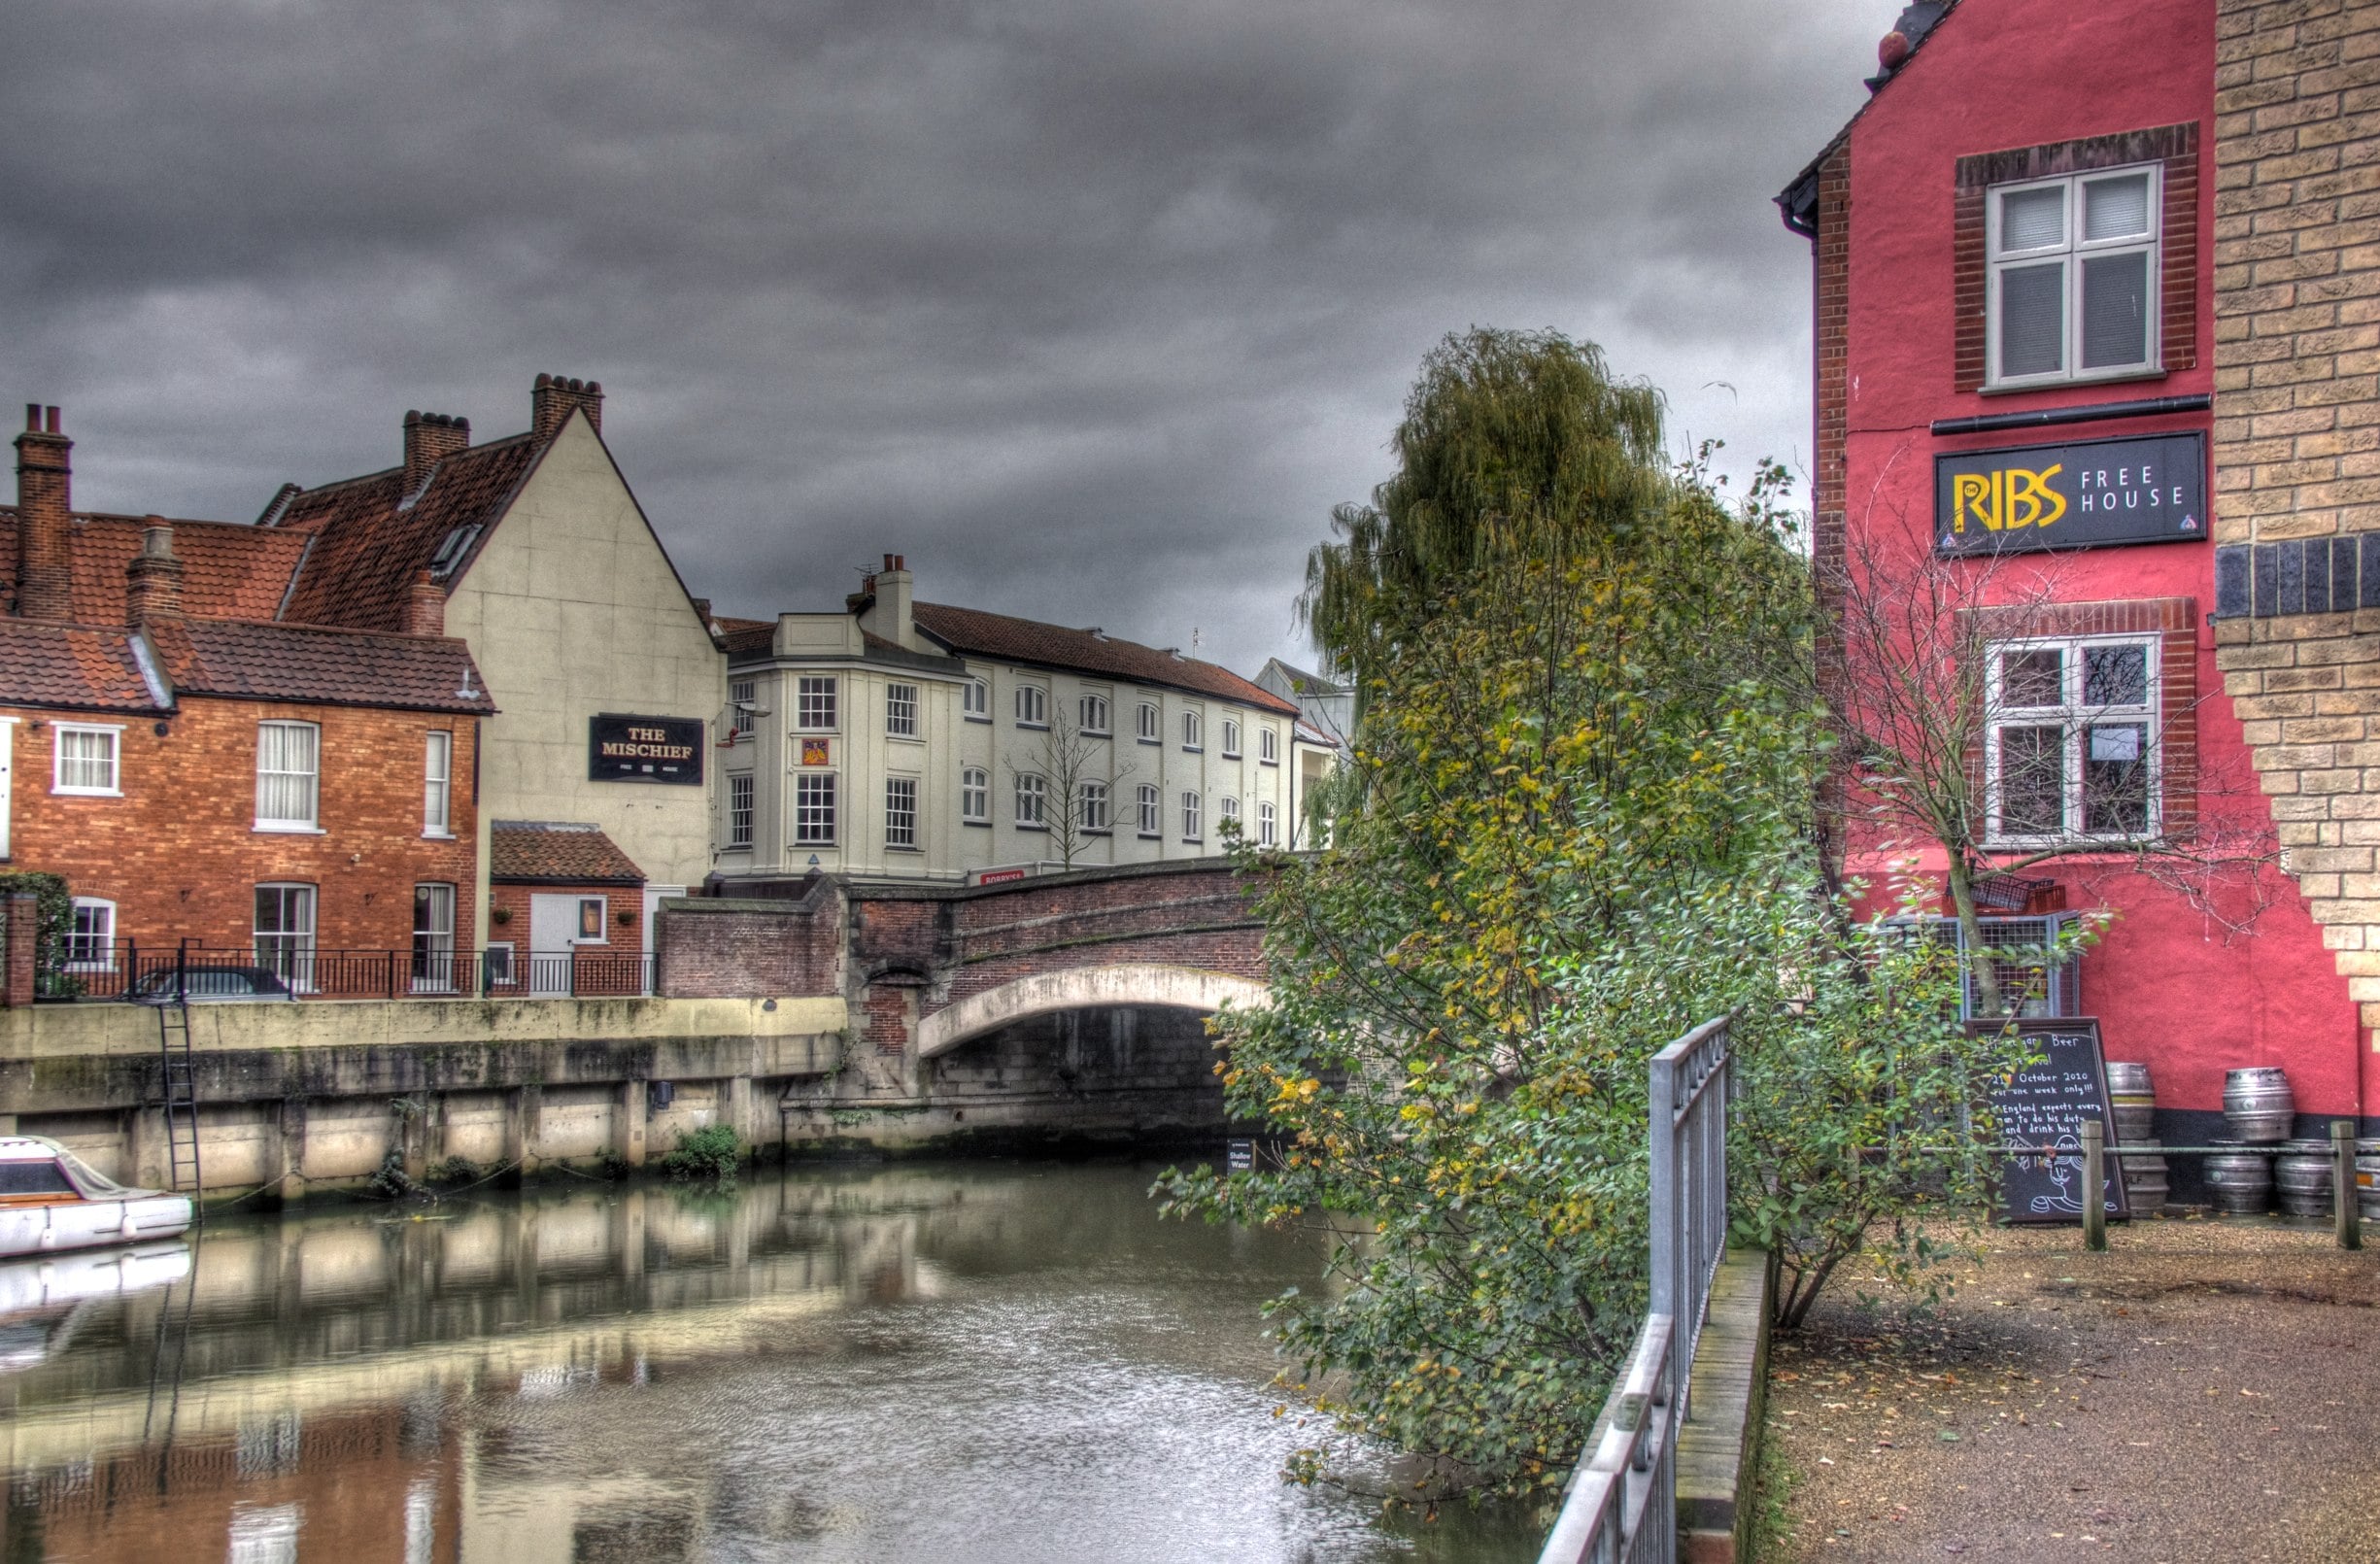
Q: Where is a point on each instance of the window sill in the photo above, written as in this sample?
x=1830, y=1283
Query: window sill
x=811, y=845
x=1154, y=743
x=894, y=847
x=984, y=825
x=2103, y=377
x=287, y=828
x=1035, y=728
x=1152, y=836
x=986, y=721
x=1194, y=842
x=1093, y=733
x=1268, y=763
x=438, y=836
x=1194, y=749
x=1097, y=830
x=1233, y=755
x=1026, y=825
x=903, y=739
x=86, y=793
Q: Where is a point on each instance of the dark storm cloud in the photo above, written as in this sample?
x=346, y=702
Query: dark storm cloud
x=1093, y=310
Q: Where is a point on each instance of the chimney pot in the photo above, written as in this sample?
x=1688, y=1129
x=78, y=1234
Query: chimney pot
x=45, y=504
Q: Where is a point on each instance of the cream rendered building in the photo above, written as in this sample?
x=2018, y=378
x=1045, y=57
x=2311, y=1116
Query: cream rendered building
x=551, y=572
x=905, y=740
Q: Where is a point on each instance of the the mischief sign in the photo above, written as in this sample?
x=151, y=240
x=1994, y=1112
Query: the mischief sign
x=644, y=749
x=2150, y=489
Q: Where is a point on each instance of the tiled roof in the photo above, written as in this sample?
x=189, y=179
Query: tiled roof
x=1023, y=640
x=46, y=664
x=369, y=546
x=341, y=668
x=228, y=571
x=746, y=637
x=557, y=852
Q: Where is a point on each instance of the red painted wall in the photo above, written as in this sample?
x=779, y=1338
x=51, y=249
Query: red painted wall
x=2007, y=74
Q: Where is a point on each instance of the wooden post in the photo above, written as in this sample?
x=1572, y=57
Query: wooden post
x=2094, y=1185
x=2344, y=1218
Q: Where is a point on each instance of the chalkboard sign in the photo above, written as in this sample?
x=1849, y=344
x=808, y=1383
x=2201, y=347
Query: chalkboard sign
x=2045, y=1104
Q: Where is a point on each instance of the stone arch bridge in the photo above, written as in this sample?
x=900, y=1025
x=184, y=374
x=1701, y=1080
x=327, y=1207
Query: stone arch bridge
x=1067, y=1005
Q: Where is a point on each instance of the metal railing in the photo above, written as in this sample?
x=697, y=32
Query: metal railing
x=120, y=970
x=1621, y=1506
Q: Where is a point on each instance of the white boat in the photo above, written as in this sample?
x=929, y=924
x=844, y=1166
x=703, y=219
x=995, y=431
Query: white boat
x=51, y=1199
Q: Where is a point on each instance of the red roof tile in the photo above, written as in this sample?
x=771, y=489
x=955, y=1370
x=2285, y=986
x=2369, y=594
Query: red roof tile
x=46, y=664
x=369, y=545
x=557, y=852
x=306, y=663
x=229, y=570
x=1023, y=640
x=746, y=637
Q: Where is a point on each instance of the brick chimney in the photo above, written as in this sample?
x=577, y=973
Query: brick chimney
x=552, y=399
x=152, y=581
x=45, y=560
x=425, y=606
x=430, y=439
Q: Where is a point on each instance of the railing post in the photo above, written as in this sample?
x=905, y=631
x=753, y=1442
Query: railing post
x=2345, y=1220
x=2094, y=1185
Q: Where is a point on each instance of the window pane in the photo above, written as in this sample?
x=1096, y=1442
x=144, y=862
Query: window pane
x=2116, y=208
x=2116, y=675
x=2032, y=219
x=2033, y=320
x=739, y=810
x=900, y=811
x=2032, y=781
x=2114, y=310
x=2116, y=778
x=2036, y=678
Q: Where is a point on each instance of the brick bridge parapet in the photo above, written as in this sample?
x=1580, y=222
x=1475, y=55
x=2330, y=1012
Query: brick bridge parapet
x=1185, y=933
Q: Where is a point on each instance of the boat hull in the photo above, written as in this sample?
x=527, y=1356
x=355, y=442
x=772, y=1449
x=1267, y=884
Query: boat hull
x=139, y=1217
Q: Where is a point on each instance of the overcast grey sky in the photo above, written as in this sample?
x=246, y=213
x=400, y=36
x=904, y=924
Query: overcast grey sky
x=1090, y=309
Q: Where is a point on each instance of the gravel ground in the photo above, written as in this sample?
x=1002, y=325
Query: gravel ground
x=2208, y=1390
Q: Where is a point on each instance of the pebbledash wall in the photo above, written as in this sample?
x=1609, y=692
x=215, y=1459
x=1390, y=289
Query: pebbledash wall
x=2296, y=285
x=2002, y=89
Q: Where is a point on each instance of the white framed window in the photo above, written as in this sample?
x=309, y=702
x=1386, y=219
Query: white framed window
x=289, y=775
x=1091, y=806
x=975, y=701
x=438, y=783
x=2073, y=292
x=1150, y=805
x=814, y=809
x=1092, y=714
x=285, y=933
x=594, y=921
x=1268, y=826
x=1032, y=706
x=1231, y=739
x=1031, y=800
x=743, y=700
x=739, y=808
x=1193, y=816
x=91, y=944
x=1193, y=731
x=1151, y=729
x=89, y=758
x=1268, y=746
x=901, y=710
x=433, y=938
x=975, y=794
x=814, y=702
x=900, y=812
x=1227, y=814
x=2071, y=749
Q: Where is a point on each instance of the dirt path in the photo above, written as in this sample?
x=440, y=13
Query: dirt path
x=2207, y=1391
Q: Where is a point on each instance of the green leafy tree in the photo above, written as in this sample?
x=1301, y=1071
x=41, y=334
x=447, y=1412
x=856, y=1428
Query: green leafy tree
x=1579, y=825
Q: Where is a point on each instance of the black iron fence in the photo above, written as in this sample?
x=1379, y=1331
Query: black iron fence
x=128, y=970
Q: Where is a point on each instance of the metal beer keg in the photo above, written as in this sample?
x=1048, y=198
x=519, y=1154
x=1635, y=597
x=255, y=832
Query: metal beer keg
x=2257, y=1105
x=2134, y=1102
x=2240, y=1180
x=2301, y=1177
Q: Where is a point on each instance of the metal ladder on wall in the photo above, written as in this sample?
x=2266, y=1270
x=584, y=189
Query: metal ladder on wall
x=181, y=1092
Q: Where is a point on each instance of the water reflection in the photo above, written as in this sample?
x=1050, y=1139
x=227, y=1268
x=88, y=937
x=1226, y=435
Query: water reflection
x=918, y=1361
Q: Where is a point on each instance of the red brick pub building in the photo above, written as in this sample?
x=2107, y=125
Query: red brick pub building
x=206, y=777
x=2018, y=331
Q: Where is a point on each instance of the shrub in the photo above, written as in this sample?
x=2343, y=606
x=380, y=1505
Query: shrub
x=709, y=1154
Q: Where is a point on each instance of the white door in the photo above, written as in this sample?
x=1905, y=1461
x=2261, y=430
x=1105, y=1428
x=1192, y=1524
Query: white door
x=552, y=936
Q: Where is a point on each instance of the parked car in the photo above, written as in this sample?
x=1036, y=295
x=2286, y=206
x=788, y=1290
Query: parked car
x=202, y=985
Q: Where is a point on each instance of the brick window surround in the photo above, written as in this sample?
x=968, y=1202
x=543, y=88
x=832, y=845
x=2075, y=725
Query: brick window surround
x=2174, y=147
x=2174, y=622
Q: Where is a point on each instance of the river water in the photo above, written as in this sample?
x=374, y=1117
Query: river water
x=971, y=1362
